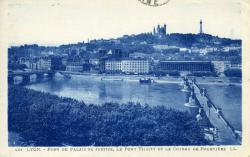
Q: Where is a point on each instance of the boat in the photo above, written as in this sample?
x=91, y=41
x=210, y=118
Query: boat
x=111, y=79
x=117, y=79
x=145, y=80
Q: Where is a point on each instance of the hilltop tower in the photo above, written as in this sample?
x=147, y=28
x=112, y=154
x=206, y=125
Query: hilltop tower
x=160, y=31
x=201, y=29
x=165, y=29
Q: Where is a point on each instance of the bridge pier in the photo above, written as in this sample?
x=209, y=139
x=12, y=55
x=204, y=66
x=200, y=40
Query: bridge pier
x=192, y=104
x=185, y=85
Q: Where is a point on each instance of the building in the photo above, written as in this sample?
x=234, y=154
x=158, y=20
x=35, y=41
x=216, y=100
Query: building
x=102, y=53
x=207, y=50
x=26, y=62
x=219, y=67
x=64, y=61
x=43, y=63
x=74, y=67
x=117, y=54
x=166, y=48
x=231, y=48
x=160, y=31
x=127, y=66
x=232, y=65
x=94, y=61
x=139, y=55
x=135, y=66
x=113, y=66
x=185, y=66
x=56, y=63
x=111, y=54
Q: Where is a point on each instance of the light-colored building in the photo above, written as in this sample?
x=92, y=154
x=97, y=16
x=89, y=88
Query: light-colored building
x=64, y=61
x=165, y=47
x=74, y=67
x=135, y=66
x=43, y=64
x=183, y=49
x=219, y=67
x=231, y=48
x=207, y=50
x=127, y=66
x=94, y=61
x=232, y=65
x=113, y=66
x=139, y=55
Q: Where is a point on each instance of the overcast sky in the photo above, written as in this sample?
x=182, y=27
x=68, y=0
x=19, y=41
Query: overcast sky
x=55, y=22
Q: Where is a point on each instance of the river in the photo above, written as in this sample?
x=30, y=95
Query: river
x=229, y=98
x=93, y=90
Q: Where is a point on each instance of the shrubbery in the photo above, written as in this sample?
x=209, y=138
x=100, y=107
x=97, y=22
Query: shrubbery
x=47, y=120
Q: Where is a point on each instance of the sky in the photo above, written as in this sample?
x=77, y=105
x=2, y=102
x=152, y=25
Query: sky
x=56, y=22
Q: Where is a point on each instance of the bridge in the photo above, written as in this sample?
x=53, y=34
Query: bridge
x=40, y=74
x=225, y=132
x=26, y=75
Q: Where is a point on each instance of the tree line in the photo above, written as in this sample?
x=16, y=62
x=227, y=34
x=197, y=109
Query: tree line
x=42, y=119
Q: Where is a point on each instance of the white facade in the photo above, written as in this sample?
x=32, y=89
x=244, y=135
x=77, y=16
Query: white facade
x=94, y=61
x=164, y=47
x=219, y=66
x=113, y=66
x=231, y=48
x=207, y=50
x=74, y=67
x=43, y=64
x=135, y=66
x=128, y=66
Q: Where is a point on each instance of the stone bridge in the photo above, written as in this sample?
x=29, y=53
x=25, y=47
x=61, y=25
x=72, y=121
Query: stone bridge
x=225, y=132
x=26, y=75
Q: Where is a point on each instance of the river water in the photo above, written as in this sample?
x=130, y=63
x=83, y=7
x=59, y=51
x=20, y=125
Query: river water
x=93, y=90
x=229, y=98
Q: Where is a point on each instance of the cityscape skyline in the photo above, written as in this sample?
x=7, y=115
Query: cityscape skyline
x=64, y=22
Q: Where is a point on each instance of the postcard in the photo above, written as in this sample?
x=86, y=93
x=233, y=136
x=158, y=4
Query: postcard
x=124, y=78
